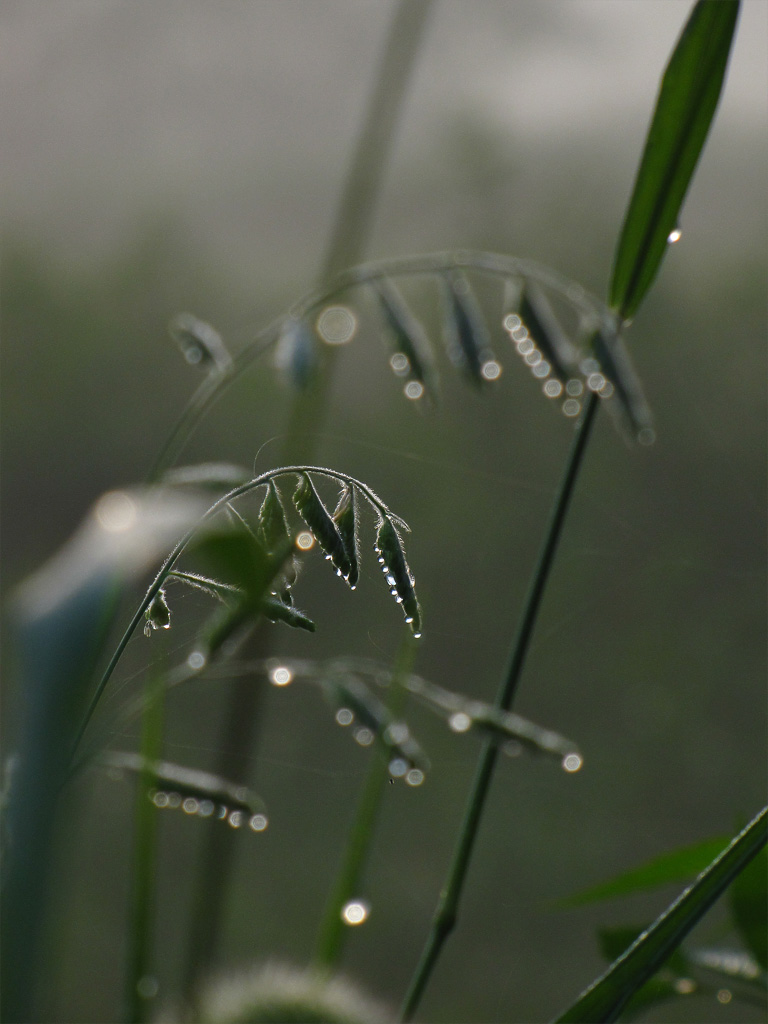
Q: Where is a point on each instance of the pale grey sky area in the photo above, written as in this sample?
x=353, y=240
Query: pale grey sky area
x=238, y=117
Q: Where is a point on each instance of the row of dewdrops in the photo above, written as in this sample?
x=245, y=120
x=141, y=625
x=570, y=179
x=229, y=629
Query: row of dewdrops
x=337, y=325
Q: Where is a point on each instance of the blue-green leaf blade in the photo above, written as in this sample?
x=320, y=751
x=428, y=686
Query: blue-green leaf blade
x=607, y=996
x=685, y=107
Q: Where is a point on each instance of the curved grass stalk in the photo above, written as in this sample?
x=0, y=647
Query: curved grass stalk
x=174, y=555
x=444, y=919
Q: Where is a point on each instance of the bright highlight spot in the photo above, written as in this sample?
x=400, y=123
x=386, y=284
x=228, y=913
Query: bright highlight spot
x=460, y=722
x=344, y=716
x=305, y=541
x=399, y=363
x=116, y=512
x=571, y=407
x=355, y=912
x=195, y=661
x=336, y=325
x=413, y=389
x=280, y=676
x=364, y=737
x=258, y=822
x=553, y=388
x=398, y=767
x=491, y=370
x=724, y=996
x=674, y=236
x=572, y=762
x=684, y=986
x=415, y=777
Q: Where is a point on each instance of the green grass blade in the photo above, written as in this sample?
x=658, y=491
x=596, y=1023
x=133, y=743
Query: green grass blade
x=606, y=997
x=749, y=907
x=676, y=866
x=685, y=107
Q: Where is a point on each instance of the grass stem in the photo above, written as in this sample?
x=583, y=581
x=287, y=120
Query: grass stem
x=445, y=915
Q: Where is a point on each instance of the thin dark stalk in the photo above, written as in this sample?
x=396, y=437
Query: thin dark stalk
x=444, y=919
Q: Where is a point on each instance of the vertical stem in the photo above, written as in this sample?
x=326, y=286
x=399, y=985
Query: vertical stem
x=330, y=939
x=138, y=994
x=351, y=227
x=444, y=919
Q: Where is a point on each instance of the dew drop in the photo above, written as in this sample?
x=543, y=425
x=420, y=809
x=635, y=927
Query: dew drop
x=396, y=733
x=160, y=799
x=572, y=762
x=674, y=236
x=595, y=381
x=491, y=370
x=116, y=512
x=511, y=322
x=235, y=819
x=417, y=636
x=553, y=388
x=684, y=986
x=206, y=809
x=724, y=996
x=400, y=363
x=174, y=800
x=541, y=370
x=355, y=912
x=364, y=737
x=413, y=389
x=415, y=777
x=391, y=580
x=222, y=812
x=398, y=766
x=525, y=346
x=305, y=541
x=147, y=629
x=571, y=407
x=606, y=390
x=195, y=661
x=460, y=722
x=344, y=716
x=258, y=822
x=574, y=388
x=281, y=675
x=336, y=325
x=190, y=805
x=533, y=358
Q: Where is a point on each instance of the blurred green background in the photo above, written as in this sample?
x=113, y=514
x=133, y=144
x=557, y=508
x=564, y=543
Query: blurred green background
x=190, y=156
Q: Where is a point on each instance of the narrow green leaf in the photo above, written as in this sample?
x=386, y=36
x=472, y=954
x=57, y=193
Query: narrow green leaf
x=677, y=866
x=749, y=907
x=606, y=997
x=278, y=611
x=685, y=107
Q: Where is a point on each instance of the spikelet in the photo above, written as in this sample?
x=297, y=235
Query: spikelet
x=315, y=515
x=272, y=526
x=345, y=518
x=546, y=333
x=296, y=352
x=466, y=335
x=391, y=556
x=158, y=615
x=616, y=367
x=412, y=355
x=200, y=344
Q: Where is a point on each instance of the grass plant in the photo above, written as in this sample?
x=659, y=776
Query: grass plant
x=239, y=541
